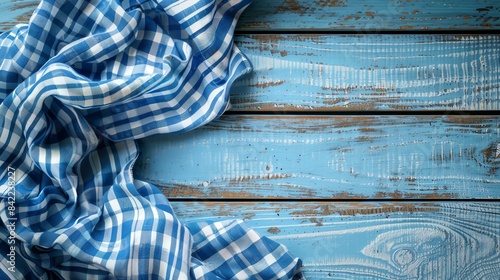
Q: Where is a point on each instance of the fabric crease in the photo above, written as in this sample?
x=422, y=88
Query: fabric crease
x=78, y=85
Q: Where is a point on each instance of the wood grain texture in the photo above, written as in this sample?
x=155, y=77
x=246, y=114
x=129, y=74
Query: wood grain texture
x=15, y=12
x=373, y=240
x=369, y=72
x=268, y=156
x=340, y=15
x=371, y=15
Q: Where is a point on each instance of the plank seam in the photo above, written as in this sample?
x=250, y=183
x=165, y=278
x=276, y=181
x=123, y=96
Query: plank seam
x=269, y=200
x=366, y=113
x=474, y=32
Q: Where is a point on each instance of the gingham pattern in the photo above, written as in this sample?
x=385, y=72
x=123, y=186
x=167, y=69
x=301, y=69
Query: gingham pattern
x=78, y=84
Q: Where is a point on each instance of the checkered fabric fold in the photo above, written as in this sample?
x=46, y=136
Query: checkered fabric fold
x=78, y=85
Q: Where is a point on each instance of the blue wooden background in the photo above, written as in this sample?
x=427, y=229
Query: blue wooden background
x=367, y=138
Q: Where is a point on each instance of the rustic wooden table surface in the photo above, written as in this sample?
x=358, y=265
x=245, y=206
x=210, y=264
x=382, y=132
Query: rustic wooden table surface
x=367, y=138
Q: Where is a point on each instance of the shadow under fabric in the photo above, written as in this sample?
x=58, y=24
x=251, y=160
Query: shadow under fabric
x=78, y=85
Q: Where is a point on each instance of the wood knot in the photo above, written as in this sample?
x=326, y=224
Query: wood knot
x=403, y=257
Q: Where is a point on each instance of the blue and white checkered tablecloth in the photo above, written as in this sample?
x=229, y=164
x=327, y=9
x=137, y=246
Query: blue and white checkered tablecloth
x=78, y=85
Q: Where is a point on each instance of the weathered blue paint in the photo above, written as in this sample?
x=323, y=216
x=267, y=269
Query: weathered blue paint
x=369, y=72
x=15, y=12
x=371, y=15
x=350, y=15
x=329, y=157
x=374, y=240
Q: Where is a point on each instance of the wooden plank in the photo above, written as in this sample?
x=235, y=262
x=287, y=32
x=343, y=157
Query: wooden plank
x=369, y=72
x=371, y=15
x=373, y=240
x=15, y=12
x=411, y=157
x=340, y=15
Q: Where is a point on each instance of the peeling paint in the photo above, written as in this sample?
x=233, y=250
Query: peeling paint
x=269, y=84
x=357, y=208
x=274, y=230
x=330, y=3
x=368, y=16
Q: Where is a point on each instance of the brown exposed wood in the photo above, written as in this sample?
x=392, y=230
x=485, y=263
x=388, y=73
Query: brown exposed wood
x=274, y=230
x=368, y=130
x=290, y=5
x=358, y=208
x=20, y=6
x=330, y=3
x=346, y=195
x=370, y=14
x=269, y=84
x=400, y=195
x=182, y=191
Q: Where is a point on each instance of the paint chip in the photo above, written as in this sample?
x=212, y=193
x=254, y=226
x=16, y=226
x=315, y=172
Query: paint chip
x=274, y=230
